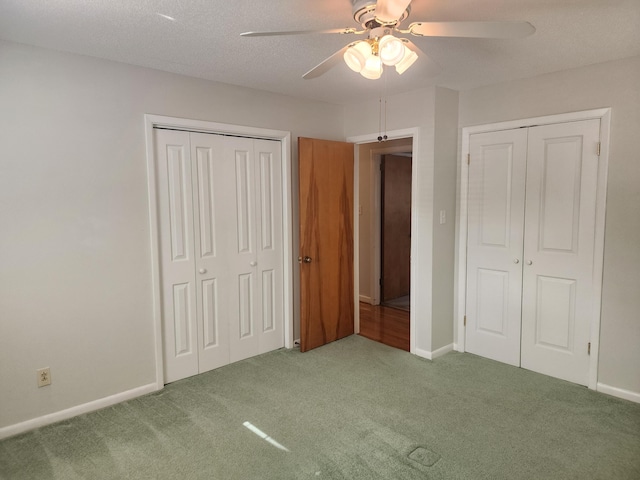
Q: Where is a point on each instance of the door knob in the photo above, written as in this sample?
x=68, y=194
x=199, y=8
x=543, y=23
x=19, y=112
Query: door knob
x=529, y=262
x=306, y=260
x=203, y=270
x=516, y=260
x=253, y=264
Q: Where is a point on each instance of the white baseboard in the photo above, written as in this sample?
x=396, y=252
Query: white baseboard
x=22, y=427
x=366, y=299
x=435, y=354
x=618, y=392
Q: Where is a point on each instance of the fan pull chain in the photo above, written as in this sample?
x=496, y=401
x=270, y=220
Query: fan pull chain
x=382, y=137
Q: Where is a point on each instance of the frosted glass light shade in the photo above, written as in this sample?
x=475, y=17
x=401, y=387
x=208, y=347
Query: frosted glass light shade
x=356, y=56
x=373, y=68
x=409, y=59
x=391, y=50
x=391, y=10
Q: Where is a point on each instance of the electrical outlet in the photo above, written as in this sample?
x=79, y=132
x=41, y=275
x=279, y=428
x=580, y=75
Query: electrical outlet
x=44, y=376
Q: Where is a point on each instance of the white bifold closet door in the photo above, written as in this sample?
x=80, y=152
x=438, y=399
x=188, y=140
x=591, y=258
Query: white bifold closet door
x=220, y=209
x=530, y=257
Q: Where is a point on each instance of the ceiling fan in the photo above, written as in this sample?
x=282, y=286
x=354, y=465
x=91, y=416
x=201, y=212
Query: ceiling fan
x=380, y=20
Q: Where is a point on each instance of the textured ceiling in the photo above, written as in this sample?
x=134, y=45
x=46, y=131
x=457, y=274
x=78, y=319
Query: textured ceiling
x=204, y=40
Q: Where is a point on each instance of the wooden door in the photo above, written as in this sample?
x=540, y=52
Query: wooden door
x=326, y=241
x=562, y=173
x=396, y=227
x=495, y=243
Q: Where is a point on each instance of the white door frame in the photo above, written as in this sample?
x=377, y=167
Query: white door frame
x=414, y=134
x=460, y=274
x=284, y=138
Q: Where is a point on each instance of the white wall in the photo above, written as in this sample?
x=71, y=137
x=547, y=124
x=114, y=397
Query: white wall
x=75, y=270
x=616, y=85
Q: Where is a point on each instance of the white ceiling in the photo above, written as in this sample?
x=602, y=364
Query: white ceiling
x=205, y=41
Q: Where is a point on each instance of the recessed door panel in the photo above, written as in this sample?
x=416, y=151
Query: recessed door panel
x=210, y=312
x=495, y=163
x=182, y=319
x=493, y=302
x=560, y=194
x=244, y=207
x=206, y=201
x=245, y=305
x=268, y=300
x=555, y=313
x=266, y=200
x=178, y=182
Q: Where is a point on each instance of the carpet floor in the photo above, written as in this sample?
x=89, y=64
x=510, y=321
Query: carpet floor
x=353, y=409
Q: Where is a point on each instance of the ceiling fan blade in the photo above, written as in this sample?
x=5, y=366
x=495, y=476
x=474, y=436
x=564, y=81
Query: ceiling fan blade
x=327, y=64
x=433, y=67
x=472, y=29
x=390, y=10
x=343, y=31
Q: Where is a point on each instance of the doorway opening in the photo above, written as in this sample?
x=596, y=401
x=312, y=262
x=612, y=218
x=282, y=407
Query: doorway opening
x=384, y=228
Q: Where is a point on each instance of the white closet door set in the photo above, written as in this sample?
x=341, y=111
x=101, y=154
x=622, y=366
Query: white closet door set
x=535, y=198
x=221, y=247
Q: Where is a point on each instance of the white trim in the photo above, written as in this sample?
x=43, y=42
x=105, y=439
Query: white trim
x=604, y=115
x=366, y=299
x=22, y=427
x=414, y=134
x=436, y=353
x=618, y=392
x=284, y=137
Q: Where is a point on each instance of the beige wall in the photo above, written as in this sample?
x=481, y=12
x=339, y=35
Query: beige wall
x=75, y=267
x=616, y=85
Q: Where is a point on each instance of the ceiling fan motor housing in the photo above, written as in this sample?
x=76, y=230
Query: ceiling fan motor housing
x=364, y=12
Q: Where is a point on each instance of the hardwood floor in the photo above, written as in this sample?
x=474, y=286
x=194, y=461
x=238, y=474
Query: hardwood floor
x=385, y=325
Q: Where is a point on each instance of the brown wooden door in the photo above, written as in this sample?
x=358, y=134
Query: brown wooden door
x=326, y=241
x=396, y=227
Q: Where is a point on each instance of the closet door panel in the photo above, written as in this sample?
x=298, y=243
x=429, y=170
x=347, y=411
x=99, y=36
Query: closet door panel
x=269, y=260
x=175, y=200
x=495, y=238
x=239, y=165
x=211, y=217
x=562, y=169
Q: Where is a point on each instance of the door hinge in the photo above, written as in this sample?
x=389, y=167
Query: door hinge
x=465, y=320
x=598, y=149
x=468, y=159
x=589, y=348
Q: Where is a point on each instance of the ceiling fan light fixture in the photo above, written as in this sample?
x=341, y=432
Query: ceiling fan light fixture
x=356, y=55
x=391, y=50
x=409, y=59
x=373, y=68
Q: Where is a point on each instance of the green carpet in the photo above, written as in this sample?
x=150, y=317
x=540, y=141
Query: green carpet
x=354, y=409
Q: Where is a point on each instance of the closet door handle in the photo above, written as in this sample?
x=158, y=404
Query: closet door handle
x=253, y=264
x=529, y=262
x=203, y=270
x=516, y=260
